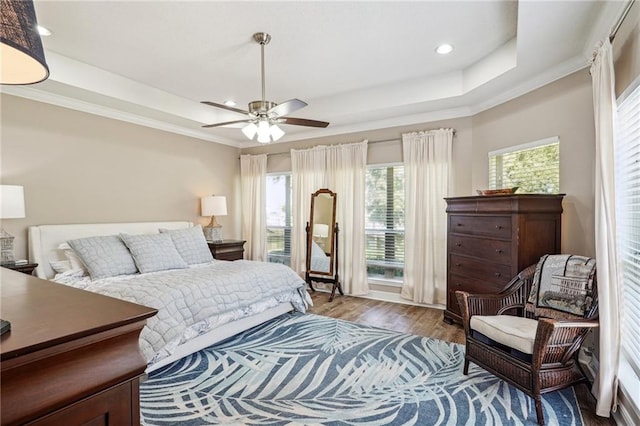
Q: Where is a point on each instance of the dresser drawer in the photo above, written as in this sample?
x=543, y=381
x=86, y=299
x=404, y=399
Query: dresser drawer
x=486, y=226
x=471, y=285
x=498, y=251
x=482, y=271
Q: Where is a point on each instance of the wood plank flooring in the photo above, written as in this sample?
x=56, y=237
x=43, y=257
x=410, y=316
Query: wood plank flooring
x=422, y=322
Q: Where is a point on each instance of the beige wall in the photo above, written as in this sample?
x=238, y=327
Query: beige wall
x=626, y=50
x=82, y=168
x=563, y=108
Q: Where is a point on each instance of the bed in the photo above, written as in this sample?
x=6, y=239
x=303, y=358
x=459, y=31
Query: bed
x=199, y=304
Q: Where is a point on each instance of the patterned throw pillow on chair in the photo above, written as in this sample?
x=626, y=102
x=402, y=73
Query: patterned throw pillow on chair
x=562, y=284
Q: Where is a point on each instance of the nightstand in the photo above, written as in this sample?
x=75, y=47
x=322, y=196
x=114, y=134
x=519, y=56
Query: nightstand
x=25, y=268
x=227, y=249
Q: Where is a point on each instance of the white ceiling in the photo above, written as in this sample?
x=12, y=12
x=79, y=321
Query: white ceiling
x=359, y=65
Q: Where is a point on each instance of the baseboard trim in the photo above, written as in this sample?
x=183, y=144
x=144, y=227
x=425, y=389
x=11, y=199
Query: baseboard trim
x=588, y=362
x=383, y=296
x=625, y=414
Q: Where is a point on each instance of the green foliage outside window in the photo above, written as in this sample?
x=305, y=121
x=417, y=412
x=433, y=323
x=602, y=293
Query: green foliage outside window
x=532, y=170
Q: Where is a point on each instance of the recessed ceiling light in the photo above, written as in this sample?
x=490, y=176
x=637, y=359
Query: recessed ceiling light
x=43, y=31
x=230, y=103
x=443, y=49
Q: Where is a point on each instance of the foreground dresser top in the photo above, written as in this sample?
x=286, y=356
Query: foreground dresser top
x=43, y=313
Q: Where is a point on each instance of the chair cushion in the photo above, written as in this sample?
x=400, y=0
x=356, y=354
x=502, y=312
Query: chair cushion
x=515, y=332
x=563, y=287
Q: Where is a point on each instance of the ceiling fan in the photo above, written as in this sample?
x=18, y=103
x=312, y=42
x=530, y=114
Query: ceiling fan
x=264, y=116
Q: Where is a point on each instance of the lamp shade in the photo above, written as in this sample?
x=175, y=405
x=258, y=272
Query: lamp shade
x=11, y=202
x=21, y=49
x=214, y=205
x=320, y=230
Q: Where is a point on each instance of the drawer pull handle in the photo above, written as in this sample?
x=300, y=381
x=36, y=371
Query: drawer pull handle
x=497, y=274
x=499, y=251
x=498, y=226
x=458, y=244
x=458, y=265
x=459, y=224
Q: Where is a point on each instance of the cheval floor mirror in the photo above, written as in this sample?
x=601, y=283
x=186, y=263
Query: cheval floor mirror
x=322, y=242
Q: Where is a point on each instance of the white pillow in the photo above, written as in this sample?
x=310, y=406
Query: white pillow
x=191, y=244
x=60, y=266
x=154, y=252
x=72, y=257
x=316, y=250
x=104, y=256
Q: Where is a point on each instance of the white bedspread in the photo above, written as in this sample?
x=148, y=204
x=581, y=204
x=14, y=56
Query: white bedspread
x=193, y=301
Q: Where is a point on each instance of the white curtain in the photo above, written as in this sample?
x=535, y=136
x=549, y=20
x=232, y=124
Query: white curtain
x=604, y=108
x=253, y=187
x=427, y=160
x=347, y=166
x=340, y=168
x=308, y=174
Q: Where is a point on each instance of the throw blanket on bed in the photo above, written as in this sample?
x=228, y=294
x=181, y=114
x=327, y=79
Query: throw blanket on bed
x=562, y=283
x=193, y=301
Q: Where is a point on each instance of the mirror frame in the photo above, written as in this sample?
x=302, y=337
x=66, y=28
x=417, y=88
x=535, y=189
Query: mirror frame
x=332, y=233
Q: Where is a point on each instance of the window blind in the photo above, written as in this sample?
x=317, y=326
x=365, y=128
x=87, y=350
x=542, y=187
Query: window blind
x=533, y=168
x=384, y=226
x=279, y=218
x=627, y=159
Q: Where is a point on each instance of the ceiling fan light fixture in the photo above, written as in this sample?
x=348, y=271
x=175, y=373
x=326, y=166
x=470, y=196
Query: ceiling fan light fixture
x=250, y=130
x=276, y=132
x=264, y=132
x=263, y=138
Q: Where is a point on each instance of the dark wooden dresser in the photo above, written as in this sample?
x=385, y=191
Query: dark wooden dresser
x=71, y=358
x=492, y=238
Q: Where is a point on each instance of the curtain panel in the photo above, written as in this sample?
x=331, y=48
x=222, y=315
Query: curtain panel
x=604, y=108
x=427, y=163
x=342, y=169
x=253, y=187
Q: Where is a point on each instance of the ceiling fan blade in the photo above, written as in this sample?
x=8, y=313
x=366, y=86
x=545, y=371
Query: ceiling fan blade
x=286, y=108
x=226, y=123
x=213, y=104
x=303, y=122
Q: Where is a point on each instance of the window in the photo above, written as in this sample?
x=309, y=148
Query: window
x=384, y=225
x=532, y=167
x=279, y=218
x=627, y=149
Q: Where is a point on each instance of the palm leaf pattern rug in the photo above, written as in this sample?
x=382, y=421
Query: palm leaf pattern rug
x=308, y=369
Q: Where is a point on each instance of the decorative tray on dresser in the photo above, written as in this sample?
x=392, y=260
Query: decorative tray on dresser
x=492, y=238
x=71, y=358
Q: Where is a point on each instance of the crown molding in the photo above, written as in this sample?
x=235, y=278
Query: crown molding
x=91, y=108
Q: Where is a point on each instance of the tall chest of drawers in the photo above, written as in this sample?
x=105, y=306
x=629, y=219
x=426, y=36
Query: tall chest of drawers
x=492, y=238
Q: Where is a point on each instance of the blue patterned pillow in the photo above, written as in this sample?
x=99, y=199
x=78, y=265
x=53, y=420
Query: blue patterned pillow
x=104, y=256
x=154, y=252
x=191, y=244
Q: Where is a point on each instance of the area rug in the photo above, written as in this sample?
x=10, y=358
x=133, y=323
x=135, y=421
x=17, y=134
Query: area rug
x=308, y=369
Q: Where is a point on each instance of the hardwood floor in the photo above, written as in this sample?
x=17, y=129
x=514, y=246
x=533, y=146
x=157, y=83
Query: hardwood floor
x=422, y=322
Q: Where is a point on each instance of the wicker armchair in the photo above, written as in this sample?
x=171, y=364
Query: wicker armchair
x=552, y=364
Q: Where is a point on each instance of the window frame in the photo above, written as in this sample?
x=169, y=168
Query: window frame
x=629, y=368
x=285, y=228
x=390, y=282
x=499, y=184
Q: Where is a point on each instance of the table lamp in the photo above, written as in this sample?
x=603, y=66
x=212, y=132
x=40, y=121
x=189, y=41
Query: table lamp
x=11, y=207
x=213, y=205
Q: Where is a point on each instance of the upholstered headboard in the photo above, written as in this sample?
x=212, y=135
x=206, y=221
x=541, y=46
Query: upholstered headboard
x=45, y=239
